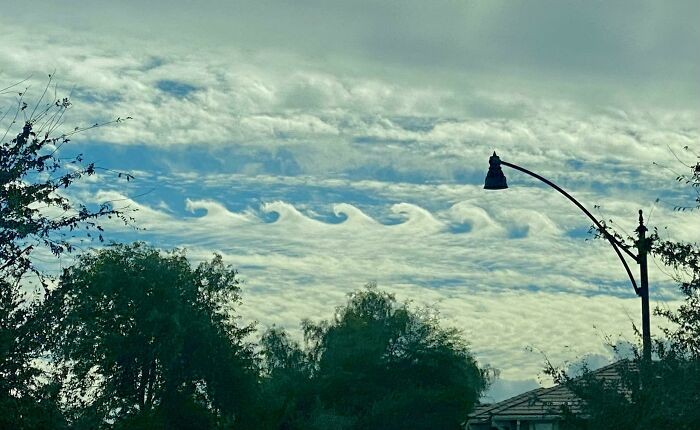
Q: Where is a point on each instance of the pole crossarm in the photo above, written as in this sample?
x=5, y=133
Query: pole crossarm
x=616, y=244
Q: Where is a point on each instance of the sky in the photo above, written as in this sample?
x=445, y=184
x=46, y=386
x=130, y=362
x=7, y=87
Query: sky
x=322, y=145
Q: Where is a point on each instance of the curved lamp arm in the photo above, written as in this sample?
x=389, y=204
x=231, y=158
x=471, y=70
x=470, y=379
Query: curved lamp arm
x=613, y=241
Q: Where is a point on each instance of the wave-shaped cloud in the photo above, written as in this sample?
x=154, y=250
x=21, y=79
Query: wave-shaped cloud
x=507, y=291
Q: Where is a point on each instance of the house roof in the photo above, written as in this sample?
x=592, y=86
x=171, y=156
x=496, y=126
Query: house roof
x=540, y=403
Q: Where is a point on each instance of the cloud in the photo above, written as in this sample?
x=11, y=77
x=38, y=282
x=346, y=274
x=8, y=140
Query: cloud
x=507, y=294
x=622, y=45
x=319, y=146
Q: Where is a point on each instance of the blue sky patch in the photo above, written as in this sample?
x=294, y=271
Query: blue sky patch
x=175, y=88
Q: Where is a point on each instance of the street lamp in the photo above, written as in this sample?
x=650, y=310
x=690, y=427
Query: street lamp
x=496, y=180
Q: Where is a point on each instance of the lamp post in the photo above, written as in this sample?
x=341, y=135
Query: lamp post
x=496, y=180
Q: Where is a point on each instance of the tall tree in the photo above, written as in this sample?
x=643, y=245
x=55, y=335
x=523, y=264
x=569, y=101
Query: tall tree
x=150, y=342
x=35, y=212
x=379, y=365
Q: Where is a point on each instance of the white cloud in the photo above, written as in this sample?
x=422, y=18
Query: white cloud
x=547, y=291
x=403, y=108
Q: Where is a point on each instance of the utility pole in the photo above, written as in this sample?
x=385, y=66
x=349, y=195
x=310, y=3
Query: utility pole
x=642, y=250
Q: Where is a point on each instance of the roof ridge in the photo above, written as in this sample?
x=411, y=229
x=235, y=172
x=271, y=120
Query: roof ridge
x=611, y=366
x=537, y=392
x=515, y=400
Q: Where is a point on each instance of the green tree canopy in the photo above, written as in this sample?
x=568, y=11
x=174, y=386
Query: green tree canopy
x=379, y=365
x=286, y=389
x=28, y=399
x=148, y=341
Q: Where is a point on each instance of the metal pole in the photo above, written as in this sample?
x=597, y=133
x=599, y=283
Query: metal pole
x=642, y=248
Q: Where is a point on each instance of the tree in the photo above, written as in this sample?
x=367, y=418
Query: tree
x=286, y=373
x=147, y=341
x=684, y=259
x=662, y=394
x=25, y=401
x=379, y=365
x=35, y=212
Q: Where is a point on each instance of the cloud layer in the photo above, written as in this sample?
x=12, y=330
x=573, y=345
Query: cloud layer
x=319, y=146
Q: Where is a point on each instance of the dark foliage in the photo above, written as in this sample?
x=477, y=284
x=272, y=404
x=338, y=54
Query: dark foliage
x=26, y=401
x=286, y=372
x=35, y=213
x=375, y=365
x=662, y=394
x=685, y=332
x=147, y=341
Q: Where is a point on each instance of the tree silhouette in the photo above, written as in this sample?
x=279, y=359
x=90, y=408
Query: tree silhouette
x=35, y=212
x=150, y=342
x=379, y=365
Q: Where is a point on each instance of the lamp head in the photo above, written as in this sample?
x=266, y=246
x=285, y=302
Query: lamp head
x=495, y=179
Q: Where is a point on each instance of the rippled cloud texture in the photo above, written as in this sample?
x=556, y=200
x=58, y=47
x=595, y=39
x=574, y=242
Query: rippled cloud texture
x=319, y=146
